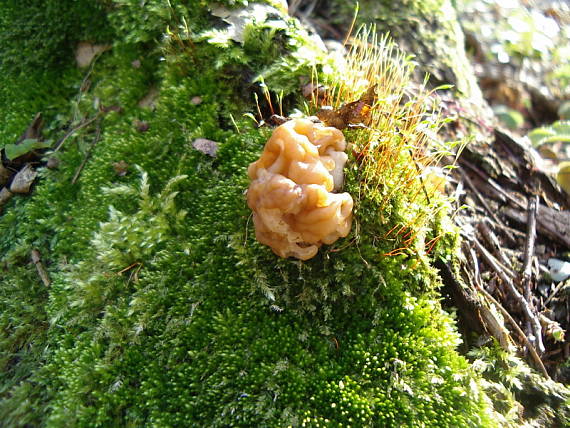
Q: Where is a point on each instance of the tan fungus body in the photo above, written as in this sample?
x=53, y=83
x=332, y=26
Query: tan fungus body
x=294, y=209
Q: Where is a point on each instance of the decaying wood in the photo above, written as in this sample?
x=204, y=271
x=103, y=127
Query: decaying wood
x=530, y=238
x=495, y=245
x=481, y=199
x=528, y=254
x=468, y=304
x=490, y=321
x=510, y=319
x=518, y=218
x=528, y=173
x=551, y=223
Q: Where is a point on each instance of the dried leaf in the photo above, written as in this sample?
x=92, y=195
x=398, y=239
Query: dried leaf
x=86, y=51
x=208, y=147
x=34, y=130
x=5, y=195
x=354, y=113
x=23, y=180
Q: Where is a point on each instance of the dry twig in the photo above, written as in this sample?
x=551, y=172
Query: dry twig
x=74, y=130
x=490, y=321
x=529, y=251
x=523, y=336
x=531, y=317
x=36, y=260
x=554, y=293
x=493, y=185
x=87, y=155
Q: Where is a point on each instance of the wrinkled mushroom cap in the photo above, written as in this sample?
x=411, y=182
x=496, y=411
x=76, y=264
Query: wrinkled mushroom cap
x=295, y=211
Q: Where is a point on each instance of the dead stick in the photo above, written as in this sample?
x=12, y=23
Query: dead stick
x=525, y=339
x=549, y=228
x=508, y=316
x=529, y=251
x=554, y=293
x=73, y=130
x=529, y=245
x=511, y=233
x=87, y=155
x=504, y=269
x=490, y=322
x=494, y=264
x=36, y=260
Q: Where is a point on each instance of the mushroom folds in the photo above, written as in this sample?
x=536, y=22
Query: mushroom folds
x=294, y=209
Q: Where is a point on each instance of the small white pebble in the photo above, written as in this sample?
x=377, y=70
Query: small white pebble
x=208, y=147
x=559, y=269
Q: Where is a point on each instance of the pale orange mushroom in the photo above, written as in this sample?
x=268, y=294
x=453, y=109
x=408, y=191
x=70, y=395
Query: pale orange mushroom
x=294, y=209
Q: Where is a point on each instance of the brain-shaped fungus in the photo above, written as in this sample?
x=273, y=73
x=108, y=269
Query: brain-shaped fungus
x=294, y=209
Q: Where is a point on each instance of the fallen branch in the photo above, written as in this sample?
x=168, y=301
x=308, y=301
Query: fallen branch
x=554, y=293
x=493, y=185
x=490, y=321
x=493, y=241
x=508, y=230
x=547, y=222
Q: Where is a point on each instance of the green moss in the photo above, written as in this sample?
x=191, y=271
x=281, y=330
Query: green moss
x=37, y=42
x=42, y=34
x=164, y=310
x=194, y=339
x=23, y=338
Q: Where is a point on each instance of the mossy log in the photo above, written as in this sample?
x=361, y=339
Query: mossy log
x=162, y=309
